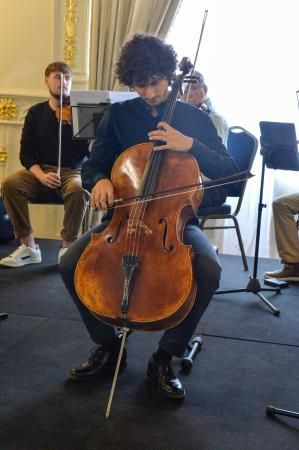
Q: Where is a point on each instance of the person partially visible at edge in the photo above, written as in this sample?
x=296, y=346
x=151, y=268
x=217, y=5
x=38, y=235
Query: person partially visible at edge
x=197, y=95
x=285, y=208
x=147, y=65
x=39, y=156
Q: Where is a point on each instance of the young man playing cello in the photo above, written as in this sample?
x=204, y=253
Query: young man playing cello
x=147, y=65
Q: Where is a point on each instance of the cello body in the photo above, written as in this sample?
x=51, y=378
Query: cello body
x=137, y=273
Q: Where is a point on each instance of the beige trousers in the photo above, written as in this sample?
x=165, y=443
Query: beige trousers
x=21, y=187
x=286, y=231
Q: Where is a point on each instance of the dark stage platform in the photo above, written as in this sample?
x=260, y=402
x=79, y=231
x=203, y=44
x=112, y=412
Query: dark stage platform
x=249, y=359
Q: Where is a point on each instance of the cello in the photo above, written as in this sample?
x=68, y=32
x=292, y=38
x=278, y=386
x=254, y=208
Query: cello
x=146, y=281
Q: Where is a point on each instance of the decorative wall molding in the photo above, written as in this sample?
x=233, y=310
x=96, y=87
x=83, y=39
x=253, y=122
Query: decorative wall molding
x=14, y=107
x=70, y=21
x=3, y=154
x=7, y=108
x=72, y=29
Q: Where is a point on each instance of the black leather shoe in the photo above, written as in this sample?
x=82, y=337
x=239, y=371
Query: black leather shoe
x=102, y=362
x=163, y=377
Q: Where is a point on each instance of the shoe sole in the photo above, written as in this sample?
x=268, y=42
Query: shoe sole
x=282, y=278
x=7, y=264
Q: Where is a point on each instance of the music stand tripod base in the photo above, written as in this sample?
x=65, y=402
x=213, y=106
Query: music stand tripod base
x=254, y=287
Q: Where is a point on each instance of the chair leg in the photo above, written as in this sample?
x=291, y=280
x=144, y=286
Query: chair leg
x=87, y=219
x=240, y=243
x=201, y=222
x=91, y=219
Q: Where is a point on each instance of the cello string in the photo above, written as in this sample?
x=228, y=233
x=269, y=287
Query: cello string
x=155, y=164
x=157, y=157
x=138, y=210
x=134, y=224
x=133, y=228
x=141, y=206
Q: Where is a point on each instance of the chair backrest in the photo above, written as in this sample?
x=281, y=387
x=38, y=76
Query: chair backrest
x=242, y=145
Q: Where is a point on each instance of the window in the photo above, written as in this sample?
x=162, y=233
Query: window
x=249, y=57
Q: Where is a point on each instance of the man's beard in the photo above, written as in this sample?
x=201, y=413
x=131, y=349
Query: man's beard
x=65, y=98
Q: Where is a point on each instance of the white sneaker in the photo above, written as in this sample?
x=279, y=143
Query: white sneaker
x=61, y=252
x=21, y=256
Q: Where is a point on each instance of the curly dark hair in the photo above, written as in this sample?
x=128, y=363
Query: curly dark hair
x=143, y=58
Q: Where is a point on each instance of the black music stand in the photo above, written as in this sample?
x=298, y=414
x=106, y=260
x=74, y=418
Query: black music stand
x=279, y=150
x=86, y=118
x=88, y=108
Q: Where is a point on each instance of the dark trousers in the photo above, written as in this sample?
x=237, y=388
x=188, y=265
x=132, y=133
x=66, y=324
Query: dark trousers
x=175, y=340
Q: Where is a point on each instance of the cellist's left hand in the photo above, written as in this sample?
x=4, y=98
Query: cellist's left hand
x=174, y=140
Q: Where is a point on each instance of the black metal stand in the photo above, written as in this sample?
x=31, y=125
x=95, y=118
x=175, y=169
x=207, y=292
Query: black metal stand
x=254, y=285
x=271, y=411
x=194, y=348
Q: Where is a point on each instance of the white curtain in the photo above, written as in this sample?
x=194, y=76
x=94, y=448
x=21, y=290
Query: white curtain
x=249, y=56
x=113, y=21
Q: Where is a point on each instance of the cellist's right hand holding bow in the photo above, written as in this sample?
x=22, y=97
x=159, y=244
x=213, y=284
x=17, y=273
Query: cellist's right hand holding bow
x=102, y=195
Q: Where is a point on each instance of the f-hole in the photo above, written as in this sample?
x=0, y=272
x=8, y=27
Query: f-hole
x=110, y=239
x=167, y=248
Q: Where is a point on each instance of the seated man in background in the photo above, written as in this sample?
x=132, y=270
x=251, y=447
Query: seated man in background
x=286, y=233
x=39, y=156
x=197, y=95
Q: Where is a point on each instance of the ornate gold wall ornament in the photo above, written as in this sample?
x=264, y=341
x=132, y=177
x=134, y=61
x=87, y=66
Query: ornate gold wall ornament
x=8, y=109
x=70, y=22
x=3, y=154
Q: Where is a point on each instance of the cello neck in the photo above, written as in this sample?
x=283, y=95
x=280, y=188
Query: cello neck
x=153, y=166
x=185, y=67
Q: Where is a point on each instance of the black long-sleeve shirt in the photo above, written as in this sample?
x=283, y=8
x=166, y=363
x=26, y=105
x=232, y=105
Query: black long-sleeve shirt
x=128, y=123
x=39, y=140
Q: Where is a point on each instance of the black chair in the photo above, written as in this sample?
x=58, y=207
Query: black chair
x=242, y=145
x=52, y=198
